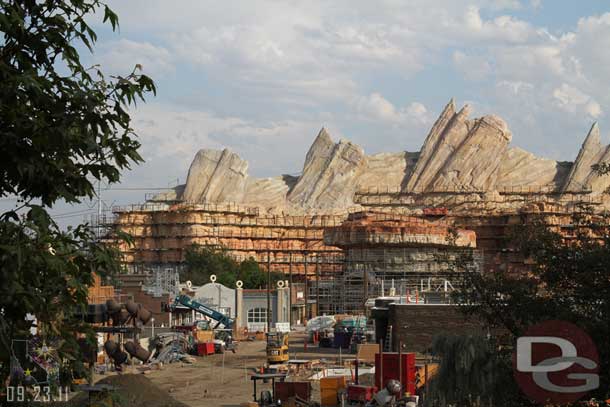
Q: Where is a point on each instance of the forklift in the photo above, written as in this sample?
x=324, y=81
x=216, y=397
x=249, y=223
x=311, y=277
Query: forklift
x=277, y=347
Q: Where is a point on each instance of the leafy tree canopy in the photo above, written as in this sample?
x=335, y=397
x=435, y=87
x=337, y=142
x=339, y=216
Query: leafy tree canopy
x=568, y=280
x=472, y=372
x=62, y=126
x=203, y=261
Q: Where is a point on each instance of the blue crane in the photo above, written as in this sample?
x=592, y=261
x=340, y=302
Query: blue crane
x=219, y=317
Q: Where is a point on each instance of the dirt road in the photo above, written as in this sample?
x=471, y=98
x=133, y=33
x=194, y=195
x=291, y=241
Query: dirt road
x=208, y=383
x=224, y=380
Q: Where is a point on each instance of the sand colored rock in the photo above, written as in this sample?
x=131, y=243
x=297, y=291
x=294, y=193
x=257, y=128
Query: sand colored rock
x=451, y=137
x=216, y=176
x=329, y=174
x=474, y=164
x=362, y=229
x=269, y=193
x=589, y=154
x=459, y=155
x=387, y=170
x=521, y=168
x=597, y=182
x=430, y=144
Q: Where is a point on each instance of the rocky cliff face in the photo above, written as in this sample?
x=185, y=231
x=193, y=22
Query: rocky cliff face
x=458, y=155
x=216, y=176
x=329, y=174
x=475, y=162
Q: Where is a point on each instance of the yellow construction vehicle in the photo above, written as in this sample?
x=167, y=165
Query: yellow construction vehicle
x=277, y=347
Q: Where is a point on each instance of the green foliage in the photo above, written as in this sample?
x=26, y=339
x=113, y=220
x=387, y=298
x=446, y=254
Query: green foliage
x=253, y=277
x=203, y=261
x=568, y=281
x=473, y=371
x=62, y=126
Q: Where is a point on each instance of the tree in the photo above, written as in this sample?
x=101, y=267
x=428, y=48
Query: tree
x=203, y=261
x=568, y=281
x=472, y=372
x=253, y=277
x=62, y=127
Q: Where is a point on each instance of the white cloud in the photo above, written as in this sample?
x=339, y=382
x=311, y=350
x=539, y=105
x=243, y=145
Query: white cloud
x=120, y=57
x=572, y=100
x=172, y=136
x=515, y=87
x=376, y=107
x=507, y=4
x=503, y=28
x=473, y=67
x=289, y=62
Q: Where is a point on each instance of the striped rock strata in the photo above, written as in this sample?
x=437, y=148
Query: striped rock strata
x=459, y=154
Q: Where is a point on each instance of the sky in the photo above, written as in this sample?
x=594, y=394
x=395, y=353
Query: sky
x=262, y=77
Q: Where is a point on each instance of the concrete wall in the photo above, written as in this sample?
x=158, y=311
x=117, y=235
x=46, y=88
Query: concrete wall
x=258, y=299
x=416, y=325
x=214, y=294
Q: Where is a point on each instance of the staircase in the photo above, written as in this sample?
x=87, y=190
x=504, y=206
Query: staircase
x=387, y=341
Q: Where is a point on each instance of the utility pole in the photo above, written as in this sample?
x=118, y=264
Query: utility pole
x=268, y=290
x=290, y=289
x=306, y=289
x=317, y=285
x=99, y=209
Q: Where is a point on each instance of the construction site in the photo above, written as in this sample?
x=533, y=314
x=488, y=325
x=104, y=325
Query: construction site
x=369, y=250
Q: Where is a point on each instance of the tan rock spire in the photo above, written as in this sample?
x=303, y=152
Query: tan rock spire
x=430, y=144
x=589, y=154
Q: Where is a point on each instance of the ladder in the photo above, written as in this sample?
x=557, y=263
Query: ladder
x=387, y=342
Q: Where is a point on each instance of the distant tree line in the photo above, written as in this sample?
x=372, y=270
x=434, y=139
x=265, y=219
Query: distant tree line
x=203, y=261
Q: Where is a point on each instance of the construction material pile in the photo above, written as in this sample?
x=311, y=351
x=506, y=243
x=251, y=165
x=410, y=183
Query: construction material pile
x=171, y=347
x=320, y=323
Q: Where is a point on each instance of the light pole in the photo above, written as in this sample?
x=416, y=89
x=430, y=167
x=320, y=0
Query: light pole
x=268, y=290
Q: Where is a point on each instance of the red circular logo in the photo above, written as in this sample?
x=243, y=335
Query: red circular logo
x=556, y=362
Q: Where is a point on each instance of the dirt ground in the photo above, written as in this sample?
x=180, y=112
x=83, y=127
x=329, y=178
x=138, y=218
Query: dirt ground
x=224, y=380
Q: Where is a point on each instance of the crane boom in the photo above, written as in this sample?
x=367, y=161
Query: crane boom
x=205, y=310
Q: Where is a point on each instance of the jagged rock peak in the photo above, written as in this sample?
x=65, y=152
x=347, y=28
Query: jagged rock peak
x=216, y=176
x=498, y=123
x=590, y=153
x=460, y=153
x=321, y=148
x=593, y=137
x=431, y=143
x=465, y=111
x=329, y=174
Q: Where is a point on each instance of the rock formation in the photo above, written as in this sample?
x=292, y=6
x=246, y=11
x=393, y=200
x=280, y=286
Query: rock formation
x=581, y=177
x=520, y=168
x=329, y=174
x=459, y=155
x=216, y=176
x=474, y=164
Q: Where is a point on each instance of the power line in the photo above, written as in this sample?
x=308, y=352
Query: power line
x=72, y=216
x=59, y=215
x=138, y=189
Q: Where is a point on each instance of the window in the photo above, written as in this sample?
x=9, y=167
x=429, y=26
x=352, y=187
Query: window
x=257, y=315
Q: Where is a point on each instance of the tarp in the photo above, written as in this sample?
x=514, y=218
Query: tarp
x=319, y=323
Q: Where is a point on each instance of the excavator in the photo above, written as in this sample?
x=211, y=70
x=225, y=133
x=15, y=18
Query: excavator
x=277, y=347
x=222, y=333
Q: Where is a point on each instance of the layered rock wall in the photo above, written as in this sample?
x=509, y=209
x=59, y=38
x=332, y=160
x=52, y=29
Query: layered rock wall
x=466, y=172
x=163, y=234
x=459, y=156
